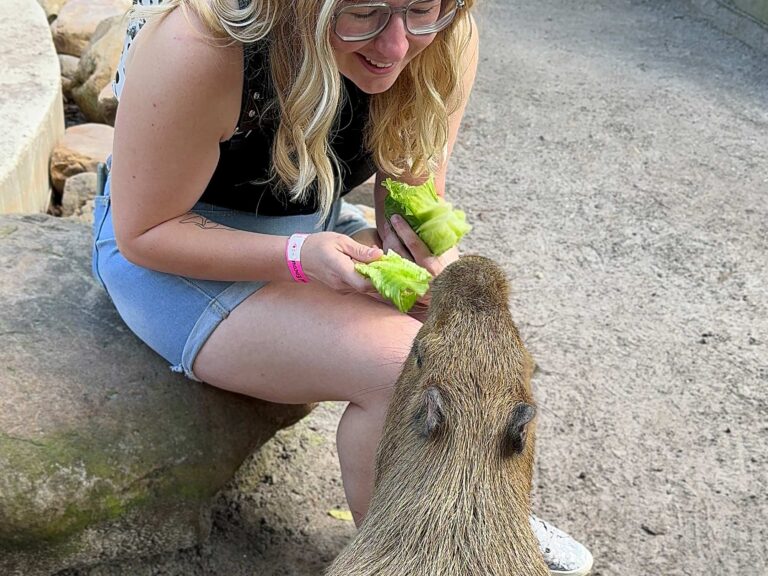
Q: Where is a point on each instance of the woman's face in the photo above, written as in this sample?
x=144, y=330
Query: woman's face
x=374, y=65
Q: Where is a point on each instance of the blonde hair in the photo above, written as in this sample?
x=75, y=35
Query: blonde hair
x=408, y=124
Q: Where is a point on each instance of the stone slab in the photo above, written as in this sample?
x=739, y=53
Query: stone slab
x=31, y=107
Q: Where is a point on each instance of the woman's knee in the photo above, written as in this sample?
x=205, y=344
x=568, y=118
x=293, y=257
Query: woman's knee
x=385, y=358
x=394, y=341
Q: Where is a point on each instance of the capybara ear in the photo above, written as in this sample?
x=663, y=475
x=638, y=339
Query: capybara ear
x=431, y=414
x=517, y=429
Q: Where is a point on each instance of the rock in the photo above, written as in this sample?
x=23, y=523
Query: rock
x=108, y=104
x=97, y=68
x=52, y=8
x=78, y=189
x=68, y=66
x=81, y=149
x=104, y=453
x=31, y=111
x=77, y=22
x=86, y=213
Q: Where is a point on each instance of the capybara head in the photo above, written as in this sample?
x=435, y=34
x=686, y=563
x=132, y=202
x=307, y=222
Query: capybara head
x=455, y=463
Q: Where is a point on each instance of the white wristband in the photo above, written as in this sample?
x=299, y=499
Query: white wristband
x=293, y=257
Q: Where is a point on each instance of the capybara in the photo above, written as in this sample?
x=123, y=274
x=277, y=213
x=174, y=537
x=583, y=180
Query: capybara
x=454, y=466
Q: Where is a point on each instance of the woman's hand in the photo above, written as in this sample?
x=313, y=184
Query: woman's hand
x=390, y=240
x=422, y=255
x=330, y=258
x=419, y=252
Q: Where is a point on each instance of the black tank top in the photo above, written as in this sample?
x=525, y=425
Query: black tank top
x=241, y=178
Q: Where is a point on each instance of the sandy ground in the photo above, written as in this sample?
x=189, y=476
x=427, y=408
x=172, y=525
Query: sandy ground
x=614, y=159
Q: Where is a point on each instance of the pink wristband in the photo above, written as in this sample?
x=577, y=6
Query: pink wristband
x=293, y=257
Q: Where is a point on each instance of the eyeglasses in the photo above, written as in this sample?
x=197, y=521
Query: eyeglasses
x=359, y=21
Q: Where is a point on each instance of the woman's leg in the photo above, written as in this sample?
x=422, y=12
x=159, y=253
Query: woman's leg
x=291, y=343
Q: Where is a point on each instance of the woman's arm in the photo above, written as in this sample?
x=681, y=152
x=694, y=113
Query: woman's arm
x=182, y=98
x=414, y=247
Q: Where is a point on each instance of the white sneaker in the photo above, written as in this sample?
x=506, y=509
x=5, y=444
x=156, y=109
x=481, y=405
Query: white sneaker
x=563, y=555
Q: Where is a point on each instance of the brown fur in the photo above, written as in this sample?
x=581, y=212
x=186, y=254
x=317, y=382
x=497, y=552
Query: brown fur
x=455, y=463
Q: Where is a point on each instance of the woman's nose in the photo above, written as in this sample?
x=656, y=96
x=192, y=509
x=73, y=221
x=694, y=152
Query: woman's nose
x=392, y=42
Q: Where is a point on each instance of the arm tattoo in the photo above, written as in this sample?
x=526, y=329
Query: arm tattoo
x=202, y=222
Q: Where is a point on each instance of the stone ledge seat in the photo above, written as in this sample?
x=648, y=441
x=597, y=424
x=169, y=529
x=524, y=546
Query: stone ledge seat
x=31, y=106
x=105, y=454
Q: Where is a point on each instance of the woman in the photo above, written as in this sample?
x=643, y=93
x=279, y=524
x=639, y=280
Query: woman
x=239, y=126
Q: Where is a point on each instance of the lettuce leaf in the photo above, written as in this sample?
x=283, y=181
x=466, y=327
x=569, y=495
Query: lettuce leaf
x=398, y=280
x=434, y=220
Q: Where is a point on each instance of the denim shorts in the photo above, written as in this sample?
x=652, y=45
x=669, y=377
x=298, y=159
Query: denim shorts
x=175, y=315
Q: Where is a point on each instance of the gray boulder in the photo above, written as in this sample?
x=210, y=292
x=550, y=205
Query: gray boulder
x=68, y=65
x=79, y=192
x=104, y=453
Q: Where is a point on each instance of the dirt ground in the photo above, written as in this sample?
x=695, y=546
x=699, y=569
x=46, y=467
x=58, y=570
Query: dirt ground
x=614, y=159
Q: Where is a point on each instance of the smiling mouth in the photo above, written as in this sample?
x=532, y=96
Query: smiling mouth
x=375, y=65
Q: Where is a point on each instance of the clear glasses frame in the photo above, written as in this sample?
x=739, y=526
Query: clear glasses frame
x=439, y=25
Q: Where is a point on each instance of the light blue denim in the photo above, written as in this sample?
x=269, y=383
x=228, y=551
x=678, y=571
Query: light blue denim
x=175, y=315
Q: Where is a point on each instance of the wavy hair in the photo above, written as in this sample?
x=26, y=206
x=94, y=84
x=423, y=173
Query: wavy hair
x=408, y=124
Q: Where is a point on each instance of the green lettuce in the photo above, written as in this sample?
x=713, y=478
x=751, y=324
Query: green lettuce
x=398, y=280
x=434, y=220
